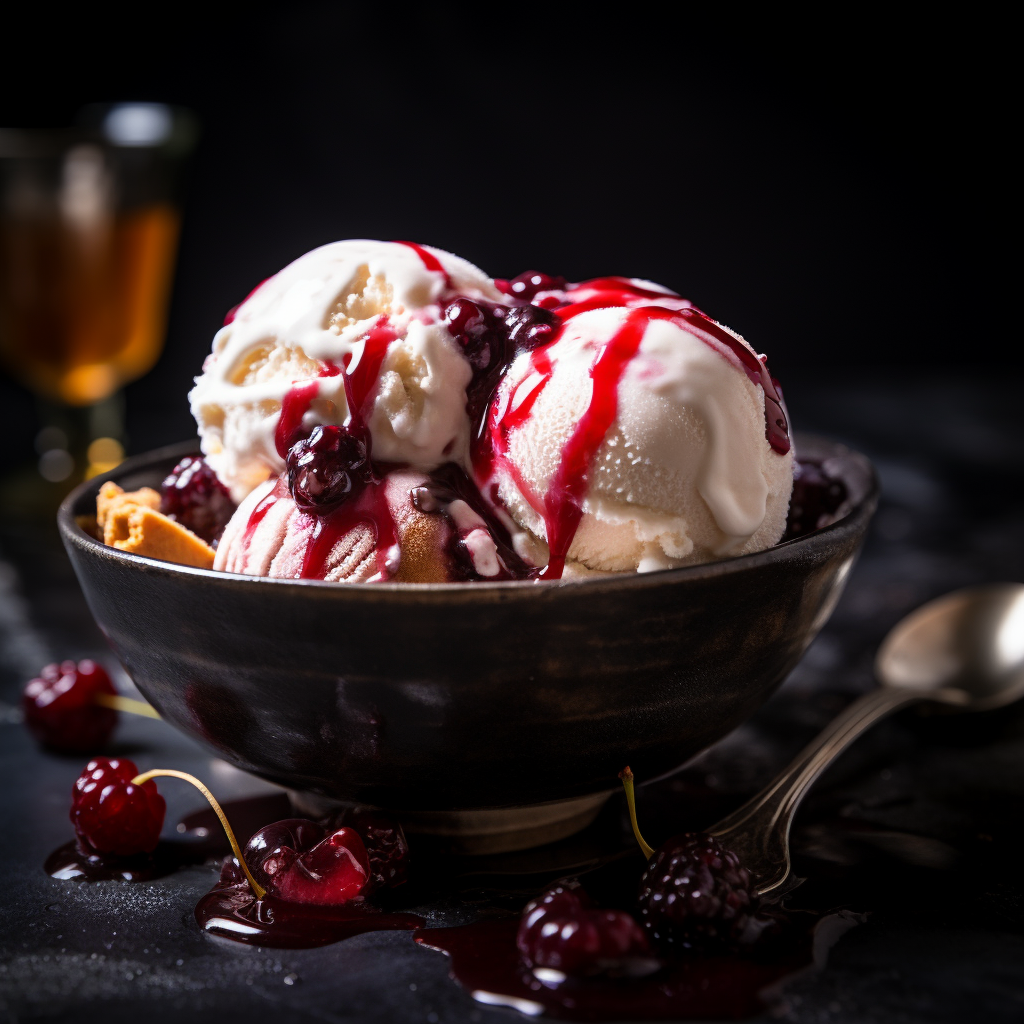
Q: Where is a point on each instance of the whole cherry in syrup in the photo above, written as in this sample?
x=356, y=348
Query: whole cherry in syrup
x=328, y=468
x=62, y=706
x=386, y=846
x=529, y=283
x=317, y=884
x=298, y=861
x=192, y=495
x=111, y=813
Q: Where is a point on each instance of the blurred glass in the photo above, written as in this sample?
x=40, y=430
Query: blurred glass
x=88, y=239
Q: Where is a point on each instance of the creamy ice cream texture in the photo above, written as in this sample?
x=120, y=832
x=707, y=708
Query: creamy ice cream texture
x=638, y=434
x=314, y=317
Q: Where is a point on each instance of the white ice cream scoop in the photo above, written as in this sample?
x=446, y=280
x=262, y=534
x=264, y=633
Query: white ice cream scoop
x=339, y=305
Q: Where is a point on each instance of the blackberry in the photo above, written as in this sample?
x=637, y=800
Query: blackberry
x=695, y=891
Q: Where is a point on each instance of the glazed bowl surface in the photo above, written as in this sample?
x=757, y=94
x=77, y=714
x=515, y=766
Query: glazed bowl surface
x=455, y=697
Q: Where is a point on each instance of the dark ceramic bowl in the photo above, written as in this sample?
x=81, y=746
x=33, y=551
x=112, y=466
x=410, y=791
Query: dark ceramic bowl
x=450, y=697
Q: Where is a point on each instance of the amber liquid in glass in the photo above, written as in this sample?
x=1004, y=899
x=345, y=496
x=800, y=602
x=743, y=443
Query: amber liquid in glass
x=83, y=305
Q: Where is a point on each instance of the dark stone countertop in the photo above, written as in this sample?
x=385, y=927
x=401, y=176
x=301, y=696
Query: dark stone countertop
x=919, y=826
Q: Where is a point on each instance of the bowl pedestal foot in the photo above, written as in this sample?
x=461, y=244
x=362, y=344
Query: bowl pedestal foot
x=492, y=830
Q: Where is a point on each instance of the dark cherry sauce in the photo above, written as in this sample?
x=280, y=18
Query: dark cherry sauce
x=232, y=911
x=501, y=335
x=716, y=986
x=72, y=860
x=448, y=483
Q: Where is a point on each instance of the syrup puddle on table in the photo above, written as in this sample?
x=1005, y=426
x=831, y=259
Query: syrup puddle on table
x=723, y=986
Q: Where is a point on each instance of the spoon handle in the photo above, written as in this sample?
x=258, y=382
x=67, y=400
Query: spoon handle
x=758, y=832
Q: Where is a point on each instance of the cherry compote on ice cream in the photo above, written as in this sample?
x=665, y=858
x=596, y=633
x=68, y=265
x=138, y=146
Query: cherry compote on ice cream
x=328, y=467
x=531, y=463
x=192, y=495
x=62, y=710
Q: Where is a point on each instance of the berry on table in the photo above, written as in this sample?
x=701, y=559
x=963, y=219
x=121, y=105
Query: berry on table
x=561, y=930
x=695, y=890
x=111, y=813
x=299, y=861
x=61, y=709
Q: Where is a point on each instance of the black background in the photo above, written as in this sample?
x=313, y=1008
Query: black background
x=832, y=189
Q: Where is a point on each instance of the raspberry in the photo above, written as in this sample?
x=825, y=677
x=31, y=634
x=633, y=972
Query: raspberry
x=561, y=930
x=60, y=706
x=112, y=815
x=694, y=890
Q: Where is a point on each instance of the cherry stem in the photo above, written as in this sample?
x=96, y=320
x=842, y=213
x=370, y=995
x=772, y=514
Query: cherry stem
x=627, y=784
x=222, y=817
x=126, y=704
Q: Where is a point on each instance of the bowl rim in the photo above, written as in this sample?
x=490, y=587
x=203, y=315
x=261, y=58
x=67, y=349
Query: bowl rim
x=853, y=520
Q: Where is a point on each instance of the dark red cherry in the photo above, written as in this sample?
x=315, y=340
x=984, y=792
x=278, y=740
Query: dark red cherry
x=562, y=930
x=60, y=706
x=527, y=284
x=192, y=495
x=695, y=890
x=327, y=468
x=298, y=861
x=386, y=846
x=476, y=327
x=529, y=327
x=111, y=814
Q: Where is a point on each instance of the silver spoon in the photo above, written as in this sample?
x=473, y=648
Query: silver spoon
x=964, y=650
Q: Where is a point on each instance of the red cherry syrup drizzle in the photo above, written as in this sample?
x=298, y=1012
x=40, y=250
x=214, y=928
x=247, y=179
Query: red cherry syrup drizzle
x=492, y=336
x=429, y=260
x=562, y=505
x=370, y=507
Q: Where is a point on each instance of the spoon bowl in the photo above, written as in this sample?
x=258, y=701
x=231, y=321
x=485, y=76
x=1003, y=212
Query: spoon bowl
x=964, y=651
